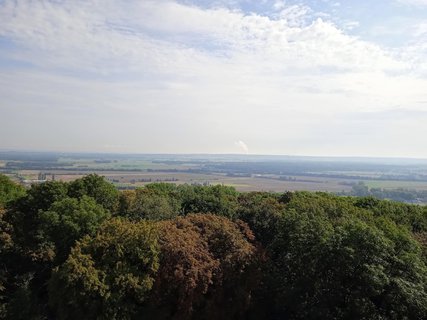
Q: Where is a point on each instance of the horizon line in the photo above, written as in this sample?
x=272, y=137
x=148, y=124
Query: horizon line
x=212, y=154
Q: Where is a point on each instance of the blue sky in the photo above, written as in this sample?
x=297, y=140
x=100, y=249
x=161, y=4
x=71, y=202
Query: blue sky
x=268, y=77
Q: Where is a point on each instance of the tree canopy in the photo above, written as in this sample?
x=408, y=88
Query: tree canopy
x=207, y=267
x=108, y=275
x=84, y=250
x=9, y=190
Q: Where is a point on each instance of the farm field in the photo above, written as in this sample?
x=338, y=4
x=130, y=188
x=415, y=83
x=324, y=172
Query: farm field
x=126, y=179
x=394, y=184
x=134, y=179
x=245, y=173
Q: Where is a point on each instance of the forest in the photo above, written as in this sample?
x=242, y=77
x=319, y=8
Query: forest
x=85, y=250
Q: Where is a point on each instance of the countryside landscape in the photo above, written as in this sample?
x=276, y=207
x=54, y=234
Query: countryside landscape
x=86, y=249
x=213, y=160
x=396, y=179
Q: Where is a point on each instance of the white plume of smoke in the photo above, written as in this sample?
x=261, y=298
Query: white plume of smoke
x=242, y=146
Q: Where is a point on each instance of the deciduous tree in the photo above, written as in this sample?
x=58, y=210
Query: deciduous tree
x=109, y=275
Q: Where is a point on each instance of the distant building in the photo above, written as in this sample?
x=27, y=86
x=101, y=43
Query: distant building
x=40, y=179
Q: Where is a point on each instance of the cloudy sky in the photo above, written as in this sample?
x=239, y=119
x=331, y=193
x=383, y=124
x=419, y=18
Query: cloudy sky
x=233, y=76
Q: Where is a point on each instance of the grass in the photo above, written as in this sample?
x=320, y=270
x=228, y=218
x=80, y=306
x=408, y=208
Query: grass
x=394, y=184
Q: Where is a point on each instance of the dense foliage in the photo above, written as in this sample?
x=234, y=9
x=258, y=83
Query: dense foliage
x=83, y=250
x=9, y=191
x=109, y=275
x=207, y=268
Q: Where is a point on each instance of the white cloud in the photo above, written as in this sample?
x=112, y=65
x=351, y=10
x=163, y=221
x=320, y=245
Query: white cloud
x=414, y=2
x=350, y=25
x=148, y=35
x=169, y=77
x=420, y=29
x=279, y=5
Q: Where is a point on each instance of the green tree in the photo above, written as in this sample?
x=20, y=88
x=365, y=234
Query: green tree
x=149, y=203
x=96, y=187
x=23, y=216
x=346, y=268
x=68, y=220
x=167, y=189
x=262, y=212
x=41, y=196
x=109, y=275
x=412, y=216
x=45, y=224
x=9, y=190
x=6, y=245
x=220, y=200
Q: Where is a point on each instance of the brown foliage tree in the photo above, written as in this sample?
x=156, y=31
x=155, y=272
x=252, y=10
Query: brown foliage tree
x=207, y=268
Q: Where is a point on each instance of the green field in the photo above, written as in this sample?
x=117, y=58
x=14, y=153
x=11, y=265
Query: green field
x=395, y=184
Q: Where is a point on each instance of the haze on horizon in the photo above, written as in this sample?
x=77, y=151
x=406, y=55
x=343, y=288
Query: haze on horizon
x=321, y=78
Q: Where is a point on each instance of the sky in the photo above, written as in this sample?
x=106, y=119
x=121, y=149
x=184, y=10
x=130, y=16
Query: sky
x=321, y=78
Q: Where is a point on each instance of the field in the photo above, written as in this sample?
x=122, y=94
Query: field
x=126, y=179
x=245, y=173
x=395, y=184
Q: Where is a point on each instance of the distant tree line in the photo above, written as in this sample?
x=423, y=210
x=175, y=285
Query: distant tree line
x=360, y=189
x=84, y=250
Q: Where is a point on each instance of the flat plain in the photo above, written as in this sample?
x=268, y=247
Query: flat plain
x=245, y=173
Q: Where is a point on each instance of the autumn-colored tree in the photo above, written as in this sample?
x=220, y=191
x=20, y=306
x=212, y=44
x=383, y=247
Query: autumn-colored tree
x=421, y=237
x=126, y=203
x=298, y=255
x=109, y=275
x=207, y=268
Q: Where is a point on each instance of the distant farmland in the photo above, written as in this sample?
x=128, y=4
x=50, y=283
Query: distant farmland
x=245, y=173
